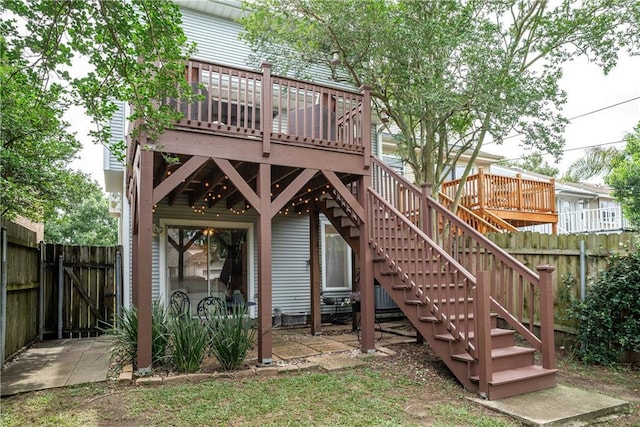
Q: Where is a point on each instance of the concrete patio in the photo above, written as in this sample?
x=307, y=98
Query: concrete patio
x=62, y=363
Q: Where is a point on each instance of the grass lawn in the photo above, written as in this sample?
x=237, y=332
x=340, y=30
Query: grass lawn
x=377, y=394
x=411, y=388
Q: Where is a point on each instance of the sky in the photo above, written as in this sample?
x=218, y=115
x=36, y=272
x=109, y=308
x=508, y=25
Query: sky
x=587, y=90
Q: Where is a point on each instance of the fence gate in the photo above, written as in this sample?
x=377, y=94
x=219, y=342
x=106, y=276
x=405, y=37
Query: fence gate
x=82, y=289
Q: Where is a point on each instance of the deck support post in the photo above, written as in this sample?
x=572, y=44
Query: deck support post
x=265, y=338
x=314, y=265
x=367, y=291
x=142, y=275
x=546, y=316
x=483, y=331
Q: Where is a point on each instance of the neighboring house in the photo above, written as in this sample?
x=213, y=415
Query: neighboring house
x=279, y=184
x=36, y=227
x=581, y=208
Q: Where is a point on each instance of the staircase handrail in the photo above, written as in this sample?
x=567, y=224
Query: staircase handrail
x=458, y=331
x=471, y=214
x=475, y=252
x=486, y=243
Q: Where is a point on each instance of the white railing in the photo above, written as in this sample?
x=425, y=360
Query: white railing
x=587, y=221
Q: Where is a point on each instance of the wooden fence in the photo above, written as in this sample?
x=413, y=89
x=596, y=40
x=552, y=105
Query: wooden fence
x=80, y=289
x=563, y=252
x=54, y=291
x=19, y=289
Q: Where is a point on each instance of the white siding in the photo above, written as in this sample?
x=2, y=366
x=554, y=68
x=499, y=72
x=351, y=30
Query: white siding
x=291, y=268
x=216, y=39
x=117, y=124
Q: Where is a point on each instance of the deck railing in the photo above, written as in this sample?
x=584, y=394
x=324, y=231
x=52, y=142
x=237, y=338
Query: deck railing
x=259, y=105
x=488, y=191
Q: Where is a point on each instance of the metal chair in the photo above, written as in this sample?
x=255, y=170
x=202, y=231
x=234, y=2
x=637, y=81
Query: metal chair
x=179, y=304
x=211, y=306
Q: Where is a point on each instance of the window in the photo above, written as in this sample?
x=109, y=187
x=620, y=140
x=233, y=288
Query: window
x=336, y=260
x=608, y=212
x=206, y=261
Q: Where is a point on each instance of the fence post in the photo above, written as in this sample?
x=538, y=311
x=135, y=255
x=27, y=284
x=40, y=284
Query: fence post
x=60, y=293
x=483, y=332
x=41, y=281
x=3, y=292
x=119, y=291
x=425, y=212
x=266, y=118
x=546, y=316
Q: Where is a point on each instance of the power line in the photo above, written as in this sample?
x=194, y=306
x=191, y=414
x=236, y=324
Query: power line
x=602, y=144
x=578, y=116
x=603, y=108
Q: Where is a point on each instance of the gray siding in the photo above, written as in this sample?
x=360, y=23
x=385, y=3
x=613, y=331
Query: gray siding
x=117, y=125
x=291, y=269
x=216, y=39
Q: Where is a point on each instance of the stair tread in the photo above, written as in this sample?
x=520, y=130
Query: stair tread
x=434, y=319
x=518, y=374
x=496, y=353
x=495, y=332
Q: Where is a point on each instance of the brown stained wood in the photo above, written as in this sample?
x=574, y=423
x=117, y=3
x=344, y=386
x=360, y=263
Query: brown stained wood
x=287, y=193
x=239, y=182
x=79, y=285
x=179, y=179
x=237, y=147
x=143, y=273
x=344, y=192
x=264, y=233
x=314, y=265
x=249, y=172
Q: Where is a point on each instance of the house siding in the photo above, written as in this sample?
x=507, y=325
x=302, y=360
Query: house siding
x=216, y=39
x=291, y=268
x=117, y=124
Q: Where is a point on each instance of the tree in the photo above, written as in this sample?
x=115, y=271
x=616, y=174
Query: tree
x=597, y=161
x=86, y=222
x=135, y=51
x=532, y=163
x=625, y=177
x=449, y=74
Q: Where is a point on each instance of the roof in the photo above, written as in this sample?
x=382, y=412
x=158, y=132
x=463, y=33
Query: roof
x=226, y=9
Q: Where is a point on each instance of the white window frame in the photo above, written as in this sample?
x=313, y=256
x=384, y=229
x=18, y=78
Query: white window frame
x=348, y=274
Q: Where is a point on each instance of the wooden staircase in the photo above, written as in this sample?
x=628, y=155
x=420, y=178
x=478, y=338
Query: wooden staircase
x=454, y=285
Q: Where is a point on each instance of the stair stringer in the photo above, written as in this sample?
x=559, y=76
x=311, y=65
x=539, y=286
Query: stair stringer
x=428, y=330
x=520, y=375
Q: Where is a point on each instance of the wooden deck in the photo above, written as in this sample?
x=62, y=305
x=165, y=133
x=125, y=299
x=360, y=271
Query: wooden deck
x=520, y=202
x=251, y=141
x=280, y=146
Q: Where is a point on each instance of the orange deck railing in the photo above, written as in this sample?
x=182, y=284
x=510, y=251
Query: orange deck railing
x=494, y=192
x=258, y=105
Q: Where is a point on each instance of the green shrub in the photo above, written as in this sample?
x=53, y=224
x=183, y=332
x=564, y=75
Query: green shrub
x=188, y=344
x=125, y=331
x=231, y=337
x=609, y=316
